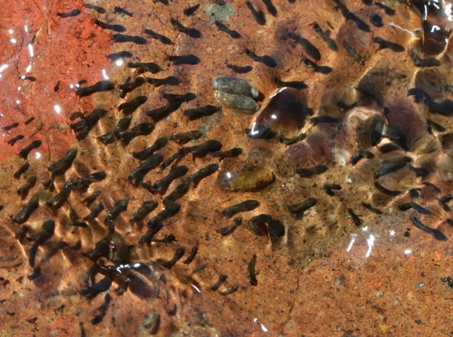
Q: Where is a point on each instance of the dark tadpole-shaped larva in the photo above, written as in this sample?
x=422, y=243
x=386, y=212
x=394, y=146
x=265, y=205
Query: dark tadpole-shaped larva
x=251, y=270
x=419, y=62
x=438, y=235
x=392, y=165
x=74, y=217
x=265, y=59
x=91, y=198
x=390, y=45
x=234, y=152
x=239, y=103
x=98, y=9
x=120, y=10
x=94, y=212
x=384, y=190
x=192, y=255
x=176, y=172
x=293, y=140
x=189, y=59
x=234, y=34
x=292, y=84
x=153, y=229
x=11, y=126
x=221, y=280
x=231, y=228
x=386, y=9
x=98, y=87
x=166, y=239
x=46, y=232
x=244, y=206
x=191, y=10
x=371, y=208
x=185, y=137
x=239, y=69
x=419, y=171
x=132, y=85
x=179, y=192
x=389, y=147
x=145, y=66
x=161, y=113
x=24, y=189
x=26, y=150
x=29, y=208
x=230, y=291
x=308, y=48
x=179, y=98
x=258, y=15
x=443, y=202
x=308, y=172
x=72, y=13
x=358, y=155
x=122, y=125
x=58, y=200
x=302, y=206
x=121, y=38
x=159, y=144
x=13, y=141
x=325, y=36
x=178, y=255
x=115, y=28
x=324, y=120
x=97, y=288
x=157, y=82
x=36, y=273
x=235, y=85
x=416, y=207
x=175, y=158
x=330, y=188
x=351, y=16
x=29, y=120
x=82, y=184
x=130, y=106
x=355, y=218
x=270, y=7
x=204, y=111
x=21, y=170
x=317, y=68
x=205, y=148
x=258, y=224
x=101, y=249
x=144, y=210
x=430, y=126
x=376, y=20
x=119, y=55
x=196, y=177
x=142, y=129
x=84, y=126
x=192, y=32
x=62, y=165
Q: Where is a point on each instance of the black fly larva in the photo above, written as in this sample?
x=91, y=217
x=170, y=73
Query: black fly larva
x=101, y=249
x=270, y=7
x=115, y=28
x=308, y=48
x=176, y=172
x=419, y=62
x=189, y=59
x=185, y=137
x=159, y=37
x=308, y=172
x=251, y=270
x=371, y=208
x=159, y=144
x=391, y=166
x=178, y=255
x=157, y=82
x=11, y=126
x=192, y=255
x=36, y=273
x=258, y=15
x=98, y=9
x=205, y=148
x=438, y=235
x=358, y=155
x=121, y=38
x=376, y=20
x=21, y=170
x=26, y=150
x=294, y=140
x=220, y=281
x=119, y=207
x=74, y=12
x=386, y=9
x=153, y=229
x=94, y=212
x=231, y=228
x=234, y=34
x=355, y=218
x=129, y=107
x=13, y=141
x=303, y=206
x=258, y=224
x=265, y=59
x=132, y=85
x=24, y=189
x=388, y=44
x=430, y=126
x=192, y=32
x=443, y=202
x=239, y=69
x=196, y=177
x=145, y=66
x=97, y=87
x=389, y=147
x=119, y=55
x=45, y=233
x=82, y=184
x=84, y=126
x=58, y=200
x=230, y=291
x=351, y=16
x=324, y=120
x=144, y=210
x=317, y=68
x=91, y=198
x=291, y=84
x=187, y=97
x=62, y=165
x=179, y=192
x=141, y=129
x=244, y=206
x=234, y=152
x=120, y=10
x=330, y=188
x=175, y=158
x=97, y=288
x=161, y=113
x=191, y=10
x=29, y=208
x=325, y=36
x=384, y=190
x=204, y=111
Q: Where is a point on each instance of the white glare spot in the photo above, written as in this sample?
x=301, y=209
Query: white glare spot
x=253, y=132
x=37, y=155
x=10, y=31
x=136, y=265
x=71, y=86
x=274, y=116
x=22, y=77
x=263, y=327
x=3, y=67
x=17, y=102
x=350, y=245
x=18, y=88
x=57, y=108
x=193, y=286
x=284, y=88
x=119, y=62
x=392, y=232
x=30, y=49
x=13, y=41
x=407, y=251
x=27, y=70
x=77, y=85
x=26, y=29
x=228, y=174
x=365, y=228
x=255, y=319
x=104, y=74
x=370, y=242
x=434, y=28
